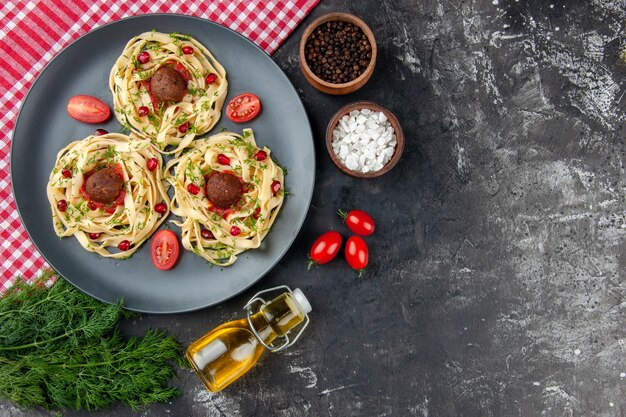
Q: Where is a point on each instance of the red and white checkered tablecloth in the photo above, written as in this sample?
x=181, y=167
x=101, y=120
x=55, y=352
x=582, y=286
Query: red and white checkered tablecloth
x=32, y=32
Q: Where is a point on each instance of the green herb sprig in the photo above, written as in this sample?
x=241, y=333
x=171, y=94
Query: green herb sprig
x=61, y=349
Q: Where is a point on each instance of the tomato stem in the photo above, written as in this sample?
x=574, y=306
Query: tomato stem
x=343, y=214
x=360, y=271
x=311, y=263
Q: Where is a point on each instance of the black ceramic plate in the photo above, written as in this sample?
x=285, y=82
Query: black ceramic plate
x=43, y=128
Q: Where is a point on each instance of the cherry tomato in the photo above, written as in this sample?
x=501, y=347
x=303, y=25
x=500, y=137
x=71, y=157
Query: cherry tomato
x=124, y=245
x=88, y=109
x=325, y=248
x=164, y=250
x=357, y=253
x=160, y=208
x=244, y=107
x=143, y=57
x=193, y=188
x=210, y=79
x=62, y=205
x=143, y=111
x=276, y=186
x=358, y=221
x=152, y=164
x=223, y=159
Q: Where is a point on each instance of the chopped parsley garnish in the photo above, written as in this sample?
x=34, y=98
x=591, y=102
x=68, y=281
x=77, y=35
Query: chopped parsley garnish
x=135, y=62
x=181, y=119
x=250, y=223
x=110, y=155
x=153, y=45
x=285, y=172
x=193, y=171
x=154, y=120
x=180, y=36
x=143, y=75
x=200, y=92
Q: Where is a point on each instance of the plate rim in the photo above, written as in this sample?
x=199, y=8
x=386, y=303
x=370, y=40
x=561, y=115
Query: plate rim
x=309, y=198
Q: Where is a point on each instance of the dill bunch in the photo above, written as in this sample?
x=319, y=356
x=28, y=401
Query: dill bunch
x=61, y=349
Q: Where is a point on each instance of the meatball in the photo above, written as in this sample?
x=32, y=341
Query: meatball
x=104, y=185
x=223, y=190
x=167, y=84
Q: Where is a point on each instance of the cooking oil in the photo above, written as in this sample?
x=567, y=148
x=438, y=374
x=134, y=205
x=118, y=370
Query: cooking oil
x=230, y=350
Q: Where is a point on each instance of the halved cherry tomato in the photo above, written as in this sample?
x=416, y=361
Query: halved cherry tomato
x=358, y=221
x=357, y=253
x=244, y=107
x=88, y=109
x=164, y=249
x=325, y=248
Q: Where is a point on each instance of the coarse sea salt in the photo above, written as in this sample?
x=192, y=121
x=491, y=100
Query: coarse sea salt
x=364, y=140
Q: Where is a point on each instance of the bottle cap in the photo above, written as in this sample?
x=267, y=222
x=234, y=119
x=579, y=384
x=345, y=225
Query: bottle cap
x=297, y=298
x=302, y=301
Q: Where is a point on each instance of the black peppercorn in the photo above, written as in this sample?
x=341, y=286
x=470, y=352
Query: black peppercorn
x=338, y=52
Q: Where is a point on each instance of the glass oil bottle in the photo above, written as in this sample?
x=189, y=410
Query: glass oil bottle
x=227, y=352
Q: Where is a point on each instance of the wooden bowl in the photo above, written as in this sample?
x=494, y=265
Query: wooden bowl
x=343, y=88
x=359, y=105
